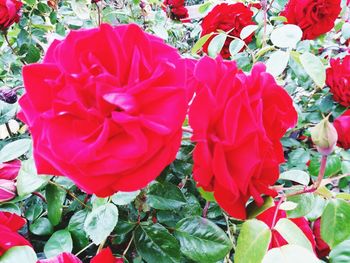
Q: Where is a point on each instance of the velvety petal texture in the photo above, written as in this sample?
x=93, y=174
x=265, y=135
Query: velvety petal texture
x=9, y=13
x=9, y=225
x=338, y=80
x=342, y=125
x=8, y=174
x=105, y=108
x=175, y=9
x=322, y=249
x=62, y=258
x=314, y=17
x=230, y=18
x=238, y=121
x=271, y=217
x=106, y=256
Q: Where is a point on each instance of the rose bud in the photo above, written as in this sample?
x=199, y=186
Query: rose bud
x=8, y=95
x=324, y=136
x=9, y=170
x=7, y=190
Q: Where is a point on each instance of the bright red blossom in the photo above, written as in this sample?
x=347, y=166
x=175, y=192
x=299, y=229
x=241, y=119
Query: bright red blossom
x=9, y=13
x=338, y=79
x=342, y=125
x=314, y=17
x=175, y=9
x=106, y=107
x=277, y=240
x=9, y=225
x=106, y=256
x=237, y=122
x=229, y=18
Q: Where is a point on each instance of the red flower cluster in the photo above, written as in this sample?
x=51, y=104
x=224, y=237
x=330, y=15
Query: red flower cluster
x=314, y=17
x=277, y=240
x=342, y=125
x=107, y=116
x=9, y=225
x=230, y=18
x=338, y=79
x=8, y=174
x=9, y=13
x=175, y=9
x=237, y=122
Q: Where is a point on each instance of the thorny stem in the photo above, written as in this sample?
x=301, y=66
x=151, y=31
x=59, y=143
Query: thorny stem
x=128, y=246
x=70, y=193
x=85, y=248
x=205, y=210
x=8, y=129
x=11, y=47
x=98, y=14
x=276, y=211
x=100, y=247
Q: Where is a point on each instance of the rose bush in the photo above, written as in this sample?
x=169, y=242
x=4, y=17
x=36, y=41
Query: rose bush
x=113, y=115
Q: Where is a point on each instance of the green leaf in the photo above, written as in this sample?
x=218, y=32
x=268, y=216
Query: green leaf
x=314, y=68
x=253, y=242
x=100, y=222
x=345, y=30
x=290, y=254
x=76, y=228
x=216, y=44
x=201, y=240
x=292, y=233
x=11, y=208
x=305, y=204
x=165, y=196
x=298, y=176
x=247, y=31
x=204, y=7
x=253, y=210
x=28, y=181
x=277, y=62
x=155, y=244
x=317, y=210
x=59, y=242
x=288, y=205
x=55, y=197
x=17, y=254
x=199, y=44
x=333, y=167
x=340, y=253
x=41, y=227
x=124, y=198
x=14, y=149
x=208, y=196
x=33, y=54
x=81, y=9
x=335, y=227
x=7, y=111
x=235, y=46
x=286, y=36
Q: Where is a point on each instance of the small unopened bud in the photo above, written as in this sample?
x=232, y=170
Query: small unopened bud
x=8, y=95
x=324, y=136
x=7, y=190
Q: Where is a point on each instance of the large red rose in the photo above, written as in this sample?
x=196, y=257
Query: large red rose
x=175, y=9
x=106, y=107
x=9, y=225
x=314, y=17
x=9, y=13
x=277, y=240
x=237, y=152
x=338, y=79
x=342, y=125
x=322, y=249
x=229, y=18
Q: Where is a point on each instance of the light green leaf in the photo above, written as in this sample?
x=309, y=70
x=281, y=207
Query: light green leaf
x=124, y=198
x=286, y=36
x=18, y=254
x=59, y=242
x=235, y=46
x=298, y=176
x=305, y=204
x=314, y=68
x=277, y=62
x=290, y=254
x=14, y=149
x=200, y=43
x=345, y=30
x=340, y=253
x=216, y=44
x=55, y=197
x=247, y=31
x=81, y=9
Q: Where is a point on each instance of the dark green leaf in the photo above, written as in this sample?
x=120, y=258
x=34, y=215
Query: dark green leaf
x=55, y=197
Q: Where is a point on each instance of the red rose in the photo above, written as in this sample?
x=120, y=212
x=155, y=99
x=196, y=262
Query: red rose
x=342, y=125
x=314, y=17
x=322, y=249
x=9, y=13
x=9, y=225
x=338, y=79
x=175, y=9
x=106, y=108
x=106, y=256
x=229, y=18
x=62, y=258
x=277, y=240
x=237, y=153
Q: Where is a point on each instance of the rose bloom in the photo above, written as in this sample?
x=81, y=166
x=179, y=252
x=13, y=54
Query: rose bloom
x=342, y=125
x=237, y=122
x=105, y=108
x=314, y=17
x=8, y=175
x=322, y=249
x=9, y=225
x=175, y=9
x=9, y=13
x=338, y=80
x=229, y=18
x=277, y=240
